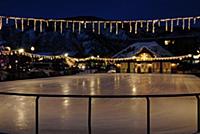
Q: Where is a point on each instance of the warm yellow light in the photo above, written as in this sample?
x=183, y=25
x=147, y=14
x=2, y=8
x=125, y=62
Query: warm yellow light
x=66, y=54
x=189, y=55
x=32, y=48
x=173, y=64
x=8, y=48
x=167, y=42
x=21, y=50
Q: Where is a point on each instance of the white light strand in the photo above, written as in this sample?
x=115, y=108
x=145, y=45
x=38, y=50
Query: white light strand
x=93, y=26
x=28, y=22
x=111, y=27
x=116, y=25
x=35, y=24
x=166, y=25
x=189, y=23
x=67, y=24
x=22, y=24
x=55, y=28
x=194, y=20
x=73, y=27
x=16, y=26
x=40, y=25
x=147, y=26
x=130, y=26
x=99, y=27
x=172, y=25
x=141, y=24
x=136, y=27
x=47, y=23
x=104, y=25
x=153, y=26
x=79, y=27
x=7, y=20
x=85, y=25
x=1, y=22
x=159, y=23
x=61, y=27
x=183, y=25
x=177, y=21
x=122, y=24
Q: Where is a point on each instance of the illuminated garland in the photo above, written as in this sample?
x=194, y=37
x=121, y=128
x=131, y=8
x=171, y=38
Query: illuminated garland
x=116, y=25
x=183, y=25
x=70, y=24
x=99, y=27
x=130, y=27
x=40, y=25
x=35, y=22
x=61, y=27
x=16, y=26
x=136, y=29
x=22, y=24
x=172, y=26
x=111, y=27
x=1, y=23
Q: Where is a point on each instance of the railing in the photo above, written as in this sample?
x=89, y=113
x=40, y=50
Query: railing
x=90, y=97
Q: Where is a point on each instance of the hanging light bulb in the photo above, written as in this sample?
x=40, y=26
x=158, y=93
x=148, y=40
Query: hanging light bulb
x=116, y=25
x=147, y=28
x=79, y=27
x=166, y=25
x=130, y=26
x=1, y=23
x=27, y=22
x=104, y=25
x=141, y=24
x=183, y=25
x=61, y=27
x=136, y=27
x=177, y=21
x=99, y=27
x=73, y=26
x=172, y=25
x=35, y=24
x=22, y=24
x=47, y=23
x=159, y=23
x=110, y=27
x=16, y=26
x=55, y=26
x=189, y=23
x=153, y=26
x=67, y=24
x=7, y=20
x=194, y=20
x=40, y=25
x=93, y=26
x=85, y=24
x=122, y=24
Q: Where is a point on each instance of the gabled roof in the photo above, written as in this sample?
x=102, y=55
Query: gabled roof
x=136, y=48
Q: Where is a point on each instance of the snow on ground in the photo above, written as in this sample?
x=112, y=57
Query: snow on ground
x=109, y=116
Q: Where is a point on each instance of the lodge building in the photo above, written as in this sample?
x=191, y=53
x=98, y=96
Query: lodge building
x=140, y=57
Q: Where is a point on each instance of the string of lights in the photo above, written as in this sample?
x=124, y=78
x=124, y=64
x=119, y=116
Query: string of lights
x=148, y=24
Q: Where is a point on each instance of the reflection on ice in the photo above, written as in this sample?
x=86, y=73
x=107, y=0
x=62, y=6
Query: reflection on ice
x=109, y=116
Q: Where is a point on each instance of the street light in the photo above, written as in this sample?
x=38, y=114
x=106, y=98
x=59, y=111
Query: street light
x=32, y=48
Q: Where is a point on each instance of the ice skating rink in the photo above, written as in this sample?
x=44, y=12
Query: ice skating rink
x=109, y=116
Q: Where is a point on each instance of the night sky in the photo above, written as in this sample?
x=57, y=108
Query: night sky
x=108, y=9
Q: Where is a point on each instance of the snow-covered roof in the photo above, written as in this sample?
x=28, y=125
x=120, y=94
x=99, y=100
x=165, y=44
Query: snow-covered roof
x=137, y=47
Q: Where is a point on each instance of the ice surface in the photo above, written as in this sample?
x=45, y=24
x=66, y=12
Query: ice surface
x=109, y=116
